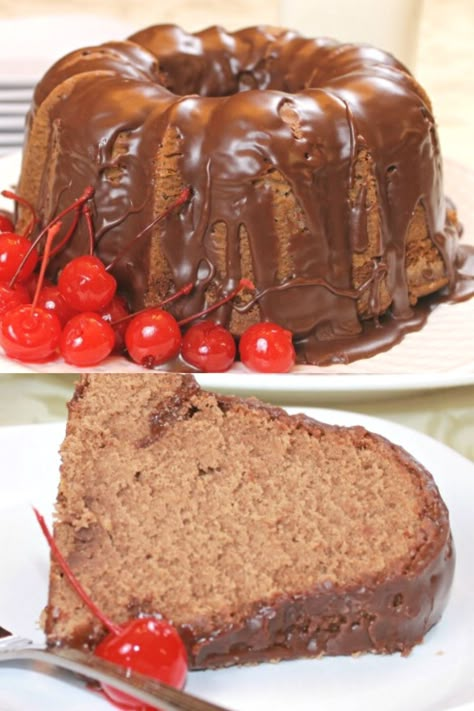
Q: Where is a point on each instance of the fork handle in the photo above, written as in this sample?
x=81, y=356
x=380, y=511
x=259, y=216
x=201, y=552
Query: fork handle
x=154, y=693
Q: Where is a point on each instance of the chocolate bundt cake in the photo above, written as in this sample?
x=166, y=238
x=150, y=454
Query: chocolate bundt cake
x=314, y=166
x=261, y=536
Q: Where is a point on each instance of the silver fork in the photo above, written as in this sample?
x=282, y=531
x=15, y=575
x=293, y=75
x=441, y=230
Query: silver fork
x=161, y=696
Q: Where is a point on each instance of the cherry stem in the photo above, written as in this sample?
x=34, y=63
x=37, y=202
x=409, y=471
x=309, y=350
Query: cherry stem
x=61, y=561
x=67, y=236
x=181, y=292
x=34, y=219
x=243, y=284
x=86, y=211
x=30, y=227
x=180, y=200
x=52, y=232
x=86, y=195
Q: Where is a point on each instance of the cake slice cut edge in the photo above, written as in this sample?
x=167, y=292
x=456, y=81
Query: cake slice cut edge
x=261, y=536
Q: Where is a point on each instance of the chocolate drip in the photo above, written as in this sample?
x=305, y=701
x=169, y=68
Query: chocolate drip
x=313, y=105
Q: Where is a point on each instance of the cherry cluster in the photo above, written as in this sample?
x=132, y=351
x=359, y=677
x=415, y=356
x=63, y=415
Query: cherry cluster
x=84, y=319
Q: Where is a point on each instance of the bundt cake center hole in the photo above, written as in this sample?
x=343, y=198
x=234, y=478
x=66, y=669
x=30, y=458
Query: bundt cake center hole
x=212, y=81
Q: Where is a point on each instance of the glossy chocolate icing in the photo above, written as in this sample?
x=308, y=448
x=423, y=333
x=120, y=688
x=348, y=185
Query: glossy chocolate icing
x=243, y=104
x=379, y=617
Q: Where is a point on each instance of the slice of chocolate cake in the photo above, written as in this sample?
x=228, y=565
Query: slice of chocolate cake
x=261, y=536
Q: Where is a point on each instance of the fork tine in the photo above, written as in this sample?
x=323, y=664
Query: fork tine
x=11, y=641
x=150, y=691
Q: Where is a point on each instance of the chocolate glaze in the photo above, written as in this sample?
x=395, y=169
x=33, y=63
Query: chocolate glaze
x=243, y=104
x=384, y=613
x=386, y=617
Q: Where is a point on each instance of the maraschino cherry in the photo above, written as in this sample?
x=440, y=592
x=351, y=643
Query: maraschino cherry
x=153, y=337
x=12, y=296
x=206, y=345
x=6, y=225
x=32, y=282
x=30, y=333
x=267, y=348
x=76, y=207
x=116, y=313
x=13, y=249
x=51, y=299
x=147, y=645
x=18, y=257
x=85, y=284
x=87, y=339
x=209, y=347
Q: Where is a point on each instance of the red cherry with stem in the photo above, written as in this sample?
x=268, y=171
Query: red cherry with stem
x=13, y=249
x=149, y=646
x=29, y=333
x=86, y=285
x=51, y=299
x=209, y=347
x=146, y=645
x=120, y=321
x=86, y=340
x=181, y=292
x=267, y=348
x=6, y=225
x=74, y=207
x=115, y=313
x=153, y=337
x=10, y=297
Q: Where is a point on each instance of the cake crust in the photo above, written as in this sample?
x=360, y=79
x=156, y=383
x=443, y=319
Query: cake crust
x=240, y=573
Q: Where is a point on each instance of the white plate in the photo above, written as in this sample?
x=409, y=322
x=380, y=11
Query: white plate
x=440, y=355
x=437, y=675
